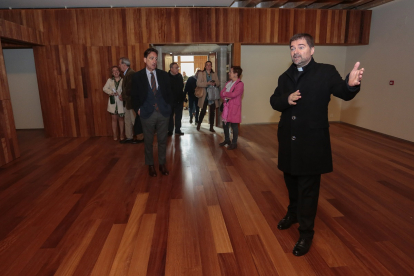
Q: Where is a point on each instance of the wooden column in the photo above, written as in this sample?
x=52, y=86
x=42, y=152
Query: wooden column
x=9, y=149
x=236, y=54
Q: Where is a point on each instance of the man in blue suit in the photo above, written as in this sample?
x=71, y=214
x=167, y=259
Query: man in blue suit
x=152, y=100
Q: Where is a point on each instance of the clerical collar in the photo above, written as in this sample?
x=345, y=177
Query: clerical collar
x=301, y=69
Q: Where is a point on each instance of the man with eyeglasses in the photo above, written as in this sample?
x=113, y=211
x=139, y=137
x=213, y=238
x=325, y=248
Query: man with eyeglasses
x=152, y=100
x=177, y=87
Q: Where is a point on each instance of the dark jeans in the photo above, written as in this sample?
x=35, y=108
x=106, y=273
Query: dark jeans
x=235, y=128
x=303, y=200
x=193, y=107
x=176, y=109
x=211, y=111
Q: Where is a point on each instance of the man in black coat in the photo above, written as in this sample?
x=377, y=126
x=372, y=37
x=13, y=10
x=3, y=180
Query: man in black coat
x=302, y=95
x=151, y=100
x=177, y=89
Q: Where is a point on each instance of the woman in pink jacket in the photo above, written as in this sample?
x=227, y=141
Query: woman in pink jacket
x=232, y=97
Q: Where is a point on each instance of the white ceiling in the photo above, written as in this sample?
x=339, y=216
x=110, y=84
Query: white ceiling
x=21, y=4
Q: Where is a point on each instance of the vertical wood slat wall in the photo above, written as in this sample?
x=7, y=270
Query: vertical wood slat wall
x=82, y=44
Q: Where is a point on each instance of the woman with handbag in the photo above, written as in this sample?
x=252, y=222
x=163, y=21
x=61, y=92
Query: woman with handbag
x=232, y=97
x=113, y=88
x=207, y=78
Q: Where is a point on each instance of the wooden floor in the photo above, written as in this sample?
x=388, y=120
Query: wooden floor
x=86, y=206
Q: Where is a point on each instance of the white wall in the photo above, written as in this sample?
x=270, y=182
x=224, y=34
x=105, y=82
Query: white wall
x=262, y=66
x=389, y=56
x=24, y=92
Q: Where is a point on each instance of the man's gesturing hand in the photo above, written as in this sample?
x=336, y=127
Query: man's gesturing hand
x=355, y=76
x=294, y=97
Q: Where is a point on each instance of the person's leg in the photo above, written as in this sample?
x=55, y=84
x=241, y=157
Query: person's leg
x=178, y=117
x=114, y=118
x=235, y=128
x=226, y=135
x=148, y=127
x=162, y=126
x=191, y=107
x=197, y=112
x=128, y=124
x=212, y=111
x=121, y=127
x=291, y=182
x=308, y=191
x=171, y=120
x=202, y=113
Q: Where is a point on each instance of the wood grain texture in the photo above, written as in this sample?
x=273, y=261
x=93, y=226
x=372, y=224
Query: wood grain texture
x=74, y=49
x=86, y=206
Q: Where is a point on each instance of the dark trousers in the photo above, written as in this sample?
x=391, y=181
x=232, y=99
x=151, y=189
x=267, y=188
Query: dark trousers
x=193, y=107
x=137, y=125
x=235, y=128
x=211, y=111
x=176, y=109
x=303, y=200
x=159, y=123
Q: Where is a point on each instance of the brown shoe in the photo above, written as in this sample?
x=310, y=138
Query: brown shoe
x=163, y=170
x=232, y=147
x=151, y=170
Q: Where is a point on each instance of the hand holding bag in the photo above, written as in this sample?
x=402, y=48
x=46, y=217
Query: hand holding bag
x=213, y=93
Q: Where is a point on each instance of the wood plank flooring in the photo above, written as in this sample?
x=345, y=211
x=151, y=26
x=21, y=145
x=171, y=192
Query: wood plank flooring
x=86, y=206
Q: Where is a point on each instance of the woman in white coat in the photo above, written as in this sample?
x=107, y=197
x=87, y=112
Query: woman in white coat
x=113, y=88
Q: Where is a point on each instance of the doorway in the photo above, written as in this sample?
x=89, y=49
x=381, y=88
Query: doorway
x=23, y=87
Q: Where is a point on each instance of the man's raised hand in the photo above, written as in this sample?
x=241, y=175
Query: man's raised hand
x=355, y=76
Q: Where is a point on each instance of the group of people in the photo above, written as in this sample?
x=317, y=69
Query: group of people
x=151, y=101
x=302, y=96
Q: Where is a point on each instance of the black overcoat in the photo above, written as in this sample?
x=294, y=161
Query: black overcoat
x=303, y=131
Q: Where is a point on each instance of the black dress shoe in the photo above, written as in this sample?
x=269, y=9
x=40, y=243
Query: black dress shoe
x=136, y=141
x=125, y=141
x=191, y=120
x=163, y=170
x=286, y=222
x=179, y=133
x=302, y=246
x=224, y=143
x=232, y=147
x=151, y=170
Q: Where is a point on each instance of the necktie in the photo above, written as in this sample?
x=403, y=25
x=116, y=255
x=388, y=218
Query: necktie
x=154, y=89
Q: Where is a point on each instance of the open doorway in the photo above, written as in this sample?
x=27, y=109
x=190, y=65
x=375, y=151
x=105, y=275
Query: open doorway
x=23, y=87
x=193, y=56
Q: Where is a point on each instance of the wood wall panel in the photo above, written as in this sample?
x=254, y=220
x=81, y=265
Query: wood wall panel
x=82, y=44
x=131, y=26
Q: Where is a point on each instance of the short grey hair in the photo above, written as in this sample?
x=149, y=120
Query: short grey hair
x=125, y=61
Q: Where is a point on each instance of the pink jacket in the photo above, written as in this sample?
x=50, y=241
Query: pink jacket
x=235, y=96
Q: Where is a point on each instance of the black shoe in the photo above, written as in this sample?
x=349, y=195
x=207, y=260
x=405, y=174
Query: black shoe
x=125, y=141
x=232, y=147
x=191, y=120
x=151, y=171
x=163, y=169
x=287, y=222
x=170, y=133
x=179, y=133
x=224, y=143
x=136, y=141
x=302, y=246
